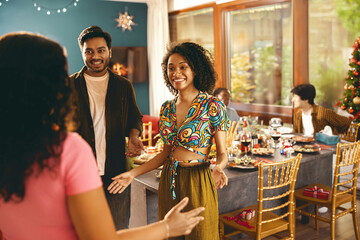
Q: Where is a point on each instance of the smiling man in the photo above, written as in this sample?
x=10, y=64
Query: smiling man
x=106, y=112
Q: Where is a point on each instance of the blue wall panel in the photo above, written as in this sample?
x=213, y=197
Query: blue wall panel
x=21, y=15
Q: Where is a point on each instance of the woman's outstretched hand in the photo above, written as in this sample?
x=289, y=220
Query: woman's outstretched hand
x=220, y=177
x=182, y=223
x=120, y=183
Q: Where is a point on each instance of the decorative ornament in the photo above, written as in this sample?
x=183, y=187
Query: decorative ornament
x=351, y=87
x=343, y=107
x=346, y=100
x=351, y=110
x=346, y=86
x=125, y=21
x=49, y=10
x=356, y=100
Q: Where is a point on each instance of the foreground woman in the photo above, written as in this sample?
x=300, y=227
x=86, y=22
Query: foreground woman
x=49, y=183
x=188, y=125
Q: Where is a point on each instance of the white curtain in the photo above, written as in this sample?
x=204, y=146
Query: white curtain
x=157, y=40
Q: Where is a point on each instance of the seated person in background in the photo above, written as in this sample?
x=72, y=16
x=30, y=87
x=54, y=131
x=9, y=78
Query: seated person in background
x=312, y=118
x=223, y=94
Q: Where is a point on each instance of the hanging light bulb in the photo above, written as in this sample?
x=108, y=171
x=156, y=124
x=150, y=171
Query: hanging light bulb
x=48, y=10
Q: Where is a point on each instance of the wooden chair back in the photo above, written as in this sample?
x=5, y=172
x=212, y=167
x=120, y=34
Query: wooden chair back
x=345, y=177
x=280, y=175
x=346, y=171
x=146, y=135
x=351, y=134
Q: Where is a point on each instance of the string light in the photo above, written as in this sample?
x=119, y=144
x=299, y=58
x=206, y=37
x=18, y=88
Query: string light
x=49, y=10
x=1, y=2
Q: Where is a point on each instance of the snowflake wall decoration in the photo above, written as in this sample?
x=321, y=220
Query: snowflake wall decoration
x=125, y=21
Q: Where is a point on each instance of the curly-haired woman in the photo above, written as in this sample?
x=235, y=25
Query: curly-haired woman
x=188, y=125
x=49, y=182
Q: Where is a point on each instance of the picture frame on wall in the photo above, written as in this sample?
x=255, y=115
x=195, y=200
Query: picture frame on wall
x=130, y=62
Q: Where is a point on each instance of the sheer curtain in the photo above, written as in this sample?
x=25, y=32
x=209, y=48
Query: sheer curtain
x=157, y=40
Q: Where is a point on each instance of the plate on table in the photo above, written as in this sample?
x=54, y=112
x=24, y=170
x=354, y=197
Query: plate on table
x=309, y=148
x=242, y=166
x=243, y=163
x=302, y=139
x=262, y=151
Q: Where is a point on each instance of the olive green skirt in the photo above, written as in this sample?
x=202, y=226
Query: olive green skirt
x=197, y=183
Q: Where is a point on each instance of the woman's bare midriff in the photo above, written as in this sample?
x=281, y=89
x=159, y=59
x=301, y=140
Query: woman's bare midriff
x=182, y=154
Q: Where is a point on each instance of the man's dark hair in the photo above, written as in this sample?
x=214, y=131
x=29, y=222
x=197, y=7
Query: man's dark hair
x=93, y=32
x=305, y=92
x=220, y=90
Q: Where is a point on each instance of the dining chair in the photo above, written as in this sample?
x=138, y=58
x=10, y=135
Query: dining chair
x=347, y=155
x=277, y=191
x=146, y=135
x=351, y=134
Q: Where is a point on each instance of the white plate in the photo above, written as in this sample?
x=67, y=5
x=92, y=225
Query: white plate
x=241, y=166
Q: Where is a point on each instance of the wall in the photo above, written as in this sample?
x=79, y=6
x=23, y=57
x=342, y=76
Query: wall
x=20, y=15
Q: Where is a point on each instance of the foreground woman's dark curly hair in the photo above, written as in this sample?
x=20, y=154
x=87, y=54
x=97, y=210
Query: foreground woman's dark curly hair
x=200, y=61
x=34, y=109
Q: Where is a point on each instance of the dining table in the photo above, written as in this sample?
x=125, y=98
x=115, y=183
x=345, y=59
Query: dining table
x=241, y=191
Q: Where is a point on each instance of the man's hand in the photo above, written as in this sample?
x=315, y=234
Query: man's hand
x=135, y=146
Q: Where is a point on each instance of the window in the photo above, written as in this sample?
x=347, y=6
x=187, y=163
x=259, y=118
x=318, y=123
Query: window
x=330, y=46
x=195, y=26
x=259, y=62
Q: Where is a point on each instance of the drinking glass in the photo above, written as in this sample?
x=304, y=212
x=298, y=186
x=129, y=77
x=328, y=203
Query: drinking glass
x=275, y=134
x=245, y=140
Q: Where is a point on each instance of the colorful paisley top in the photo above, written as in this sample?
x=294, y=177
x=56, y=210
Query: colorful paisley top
x=206, y=115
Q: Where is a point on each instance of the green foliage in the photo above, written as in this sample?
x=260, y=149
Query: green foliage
x=326, y=81
x=253, y=82
x=241, y=84
x=348, y=12
x=286, y=75
x=265, y=64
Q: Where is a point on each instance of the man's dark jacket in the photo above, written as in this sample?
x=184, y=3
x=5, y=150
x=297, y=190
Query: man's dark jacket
x=121, y=115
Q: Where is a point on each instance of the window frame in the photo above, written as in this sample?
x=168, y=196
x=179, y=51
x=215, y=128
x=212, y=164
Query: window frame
x=300, y=51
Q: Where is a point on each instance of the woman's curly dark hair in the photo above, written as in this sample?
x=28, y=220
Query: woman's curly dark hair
x=200, y=61
x=34, y=109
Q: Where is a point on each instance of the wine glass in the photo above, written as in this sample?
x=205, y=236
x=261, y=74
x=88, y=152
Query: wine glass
x=245, y=140
x=275, y=134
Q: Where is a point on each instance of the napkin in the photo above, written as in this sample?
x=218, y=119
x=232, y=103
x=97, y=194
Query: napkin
x=327, y=130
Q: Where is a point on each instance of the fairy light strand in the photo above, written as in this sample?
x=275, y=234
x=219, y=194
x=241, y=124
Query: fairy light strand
x=1, y=2
x=40, y=7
